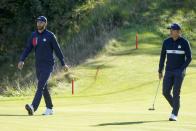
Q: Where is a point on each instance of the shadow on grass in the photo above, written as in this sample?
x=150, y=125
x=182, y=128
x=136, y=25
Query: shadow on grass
x=16, y=115
x=135, y=52
x=129, y=123
x=101, y=64
x=117, y=91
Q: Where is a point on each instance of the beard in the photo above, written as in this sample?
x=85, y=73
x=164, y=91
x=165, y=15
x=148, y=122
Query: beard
x=40, y=27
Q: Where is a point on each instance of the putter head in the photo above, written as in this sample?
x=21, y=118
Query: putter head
x=151, y=109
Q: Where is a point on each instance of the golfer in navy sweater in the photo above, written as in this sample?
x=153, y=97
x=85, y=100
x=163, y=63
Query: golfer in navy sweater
x=178, y=52
x=44, y=44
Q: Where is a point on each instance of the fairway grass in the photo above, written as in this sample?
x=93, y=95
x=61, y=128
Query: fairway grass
x=117, y=100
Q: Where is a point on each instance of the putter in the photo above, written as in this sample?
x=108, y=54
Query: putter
x=152, y=108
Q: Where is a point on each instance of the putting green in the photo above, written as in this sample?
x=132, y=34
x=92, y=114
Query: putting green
x=117, y=101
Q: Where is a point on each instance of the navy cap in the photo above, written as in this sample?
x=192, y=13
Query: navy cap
x=174, y=26
x=42, y=18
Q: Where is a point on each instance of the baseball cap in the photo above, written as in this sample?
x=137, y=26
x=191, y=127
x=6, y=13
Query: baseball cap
x=174, y=26
x=42, y=18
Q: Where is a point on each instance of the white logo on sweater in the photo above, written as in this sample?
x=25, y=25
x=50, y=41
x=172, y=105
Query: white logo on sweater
x=44, y=39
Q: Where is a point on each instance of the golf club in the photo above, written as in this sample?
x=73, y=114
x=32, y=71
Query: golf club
x=152, y=108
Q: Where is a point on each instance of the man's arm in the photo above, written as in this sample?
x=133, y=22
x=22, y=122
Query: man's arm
x=188, y=55
x=25, y=53
x=162, y=60
x=58, y=52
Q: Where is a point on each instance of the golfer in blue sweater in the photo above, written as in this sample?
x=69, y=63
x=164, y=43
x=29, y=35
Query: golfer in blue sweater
x=44, y=44
x=178, y=53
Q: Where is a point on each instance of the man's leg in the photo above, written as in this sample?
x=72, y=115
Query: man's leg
x=43, y=78
x=168, y=82
x=179, y=77
x=47, y=97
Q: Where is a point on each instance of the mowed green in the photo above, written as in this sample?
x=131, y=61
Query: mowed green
x=116, y=100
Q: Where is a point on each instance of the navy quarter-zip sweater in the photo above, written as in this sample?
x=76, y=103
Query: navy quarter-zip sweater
x=178, y=54
x=45, y=44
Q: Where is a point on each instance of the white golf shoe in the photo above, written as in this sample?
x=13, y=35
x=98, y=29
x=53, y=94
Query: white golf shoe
x=48, y=112
x=173, y=117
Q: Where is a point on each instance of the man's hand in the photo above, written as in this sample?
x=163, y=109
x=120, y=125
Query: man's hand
x=20, y=65
x=66, y=67
x=160, y=76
